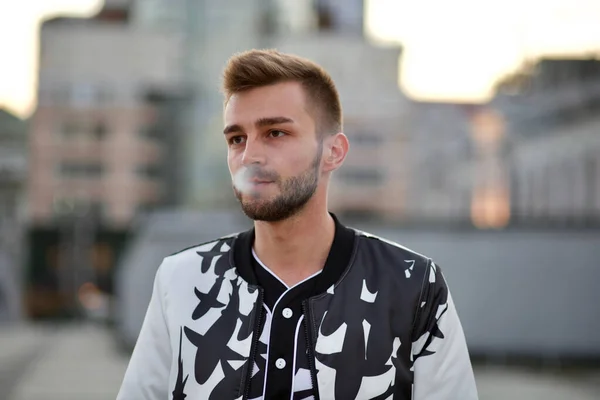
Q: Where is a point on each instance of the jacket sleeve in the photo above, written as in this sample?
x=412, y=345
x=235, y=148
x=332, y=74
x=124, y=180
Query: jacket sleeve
x=442, y=367
x=147, y=375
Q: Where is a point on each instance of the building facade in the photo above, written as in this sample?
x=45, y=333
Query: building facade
x=13, y=175
x=528, y=157
x=376, y=117
x=554, y=132
x=93, y=144
x=104, y=144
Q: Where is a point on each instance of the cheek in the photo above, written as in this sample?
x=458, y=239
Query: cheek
x=298, y=162
x=232, y=161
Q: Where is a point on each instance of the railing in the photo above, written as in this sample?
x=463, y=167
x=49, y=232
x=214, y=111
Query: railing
x=534, y=113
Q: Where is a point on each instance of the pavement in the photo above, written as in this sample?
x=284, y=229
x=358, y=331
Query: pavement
x=59, y=363
x=500, y=383
x=74, y=362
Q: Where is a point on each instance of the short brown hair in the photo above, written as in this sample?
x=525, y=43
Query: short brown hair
x=257, y=68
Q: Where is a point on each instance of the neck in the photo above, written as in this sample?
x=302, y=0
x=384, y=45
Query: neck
x=297, y=247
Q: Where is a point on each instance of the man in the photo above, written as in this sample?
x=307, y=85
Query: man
x=299, y=307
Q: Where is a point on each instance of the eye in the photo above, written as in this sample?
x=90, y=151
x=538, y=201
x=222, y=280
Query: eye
x=276, y=133
x=236, y=140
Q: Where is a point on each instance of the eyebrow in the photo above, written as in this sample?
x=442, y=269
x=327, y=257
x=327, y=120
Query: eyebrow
x=261, y=122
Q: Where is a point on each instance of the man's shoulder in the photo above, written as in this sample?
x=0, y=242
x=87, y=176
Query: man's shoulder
x=212, y=247
x=392, y=253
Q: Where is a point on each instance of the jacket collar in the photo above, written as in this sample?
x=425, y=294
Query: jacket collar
x=337, y=262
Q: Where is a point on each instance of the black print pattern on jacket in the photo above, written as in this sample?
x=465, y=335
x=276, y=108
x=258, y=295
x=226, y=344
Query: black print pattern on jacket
x=389, y=314
x=260, y=361
x=178, y=392
x=302, y=381
x=375, y=306
x=213, y=349
x=431, y=310
x=354, y=336
x=302, y=385
x=222, y=350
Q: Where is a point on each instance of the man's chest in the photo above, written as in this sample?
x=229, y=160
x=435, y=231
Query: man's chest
x=282, y=364
x=233, y=341
x=281, y=368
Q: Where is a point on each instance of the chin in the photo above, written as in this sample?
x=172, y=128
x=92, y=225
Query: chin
x=269, y=211
x=256, y=199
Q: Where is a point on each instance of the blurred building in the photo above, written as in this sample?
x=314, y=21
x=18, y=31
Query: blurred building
x=551, y=111
x=13, y=175
x=104, y=144
x=117, y=80
x=374, y=108
x=530, y=156
x=439, y=160
x=329, y=32
x=92, y=137
x=376, y=117
x=213, y=32
x=165, y=15
x=345, y=16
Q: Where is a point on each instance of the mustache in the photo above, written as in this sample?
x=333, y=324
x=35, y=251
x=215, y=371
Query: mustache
x=255, y=172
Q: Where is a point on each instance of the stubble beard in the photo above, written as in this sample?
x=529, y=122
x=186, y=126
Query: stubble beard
x=294, y=194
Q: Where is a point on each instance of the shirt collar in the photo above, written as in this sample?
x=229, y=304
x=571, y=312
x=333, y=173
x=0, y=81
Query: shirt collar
x=338, y=260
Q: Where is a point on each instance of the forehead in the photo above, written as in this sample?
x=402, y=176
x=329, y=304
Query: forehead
x=279, y=100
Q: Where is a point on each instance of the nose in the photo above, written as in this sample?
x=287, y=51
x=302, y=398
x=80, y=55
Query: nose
x=254, y=152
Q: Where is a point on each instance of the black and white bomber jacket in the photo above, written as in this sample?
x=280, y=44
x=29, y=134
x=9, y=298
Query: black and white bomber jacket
x=373, y=297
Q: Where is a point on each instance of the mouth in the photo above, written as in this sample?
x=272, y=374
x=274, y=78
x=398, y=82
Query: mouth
x=260, y=183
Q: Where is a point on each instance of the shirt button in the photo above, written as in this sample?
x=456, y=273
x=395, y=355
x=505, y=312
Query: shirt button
x=287, y=313
x=280, y=363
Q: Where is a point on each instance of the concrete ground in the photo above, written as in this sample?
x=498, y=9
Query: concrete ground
x=77, y=362
x=66, y=363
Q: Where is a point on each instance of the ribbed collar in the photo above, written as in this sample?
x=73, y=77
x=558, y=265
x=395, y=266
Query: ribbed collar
x=337, y=262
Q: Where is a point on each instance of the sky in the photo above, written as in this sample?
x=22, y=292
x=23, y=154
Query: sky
x=453, y=50
x=19, y=44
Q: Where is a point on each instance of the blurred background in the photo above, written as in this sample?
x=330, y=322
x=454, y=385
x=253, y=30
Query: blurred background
x=475, y=139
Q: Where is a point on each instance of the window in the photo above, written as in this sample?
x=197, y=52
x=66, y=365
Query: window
x=325, y=18
x=84, y=94
x=151, y=132
x=149, y=171
x=100, y=131
x=64, y=206
x=78, y=129
x=113, y=15
x=81, y=170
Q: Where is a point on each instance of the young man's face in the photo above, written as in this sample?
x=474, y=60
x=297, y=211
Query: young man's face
x=274, y=153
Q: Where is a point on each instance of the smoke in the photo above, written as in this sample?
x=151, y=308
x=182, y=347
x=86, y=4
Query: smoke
x=243, y=177
x=241, y=180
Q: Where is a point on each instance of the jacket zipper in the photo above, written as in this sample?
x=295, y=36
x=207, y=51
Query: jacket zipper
x=309, y=347
x=253, y=349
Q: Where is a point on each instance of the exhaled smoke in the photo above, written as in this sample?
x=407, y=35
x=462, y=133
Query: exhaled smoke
x=241, y=180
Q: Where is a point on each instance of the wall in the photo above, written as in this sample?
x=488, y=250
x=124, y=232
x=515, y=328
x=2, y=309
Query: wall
x=520, y=292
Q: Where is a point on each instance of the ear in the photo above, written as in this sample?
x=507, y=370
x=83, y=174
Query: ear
x=334, y=151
